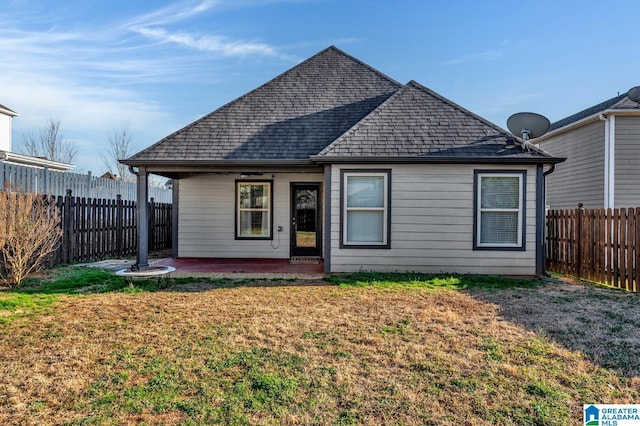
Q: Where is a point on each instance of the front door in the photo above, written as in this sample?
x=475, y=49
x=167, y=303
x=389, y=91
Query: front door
x=306, y=226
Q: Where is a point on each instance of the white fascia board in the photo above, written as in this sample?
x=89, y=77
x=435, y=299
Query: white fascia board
x=12, y=157
x=587, y=120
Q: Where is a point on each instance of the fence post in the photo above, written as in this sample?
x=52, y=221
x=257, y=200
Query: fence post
x=119, y=227
x=152, y=224
x=579, y=215
x=68, y=231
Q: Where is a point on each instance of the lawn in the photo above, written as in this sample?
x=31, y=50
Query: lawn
x=85, y=348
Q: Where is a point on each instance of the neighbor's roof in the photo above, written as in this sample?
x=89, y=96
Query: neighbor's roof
x=7, y=111
x=417, y=123
x=618, y=102
x=291, y=117
x=332, y=107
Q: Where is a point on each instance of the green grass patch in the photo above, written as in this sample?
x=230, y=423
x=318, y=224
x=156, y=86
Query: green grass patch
x=15, y=305
x=429, y=282
x=226, y=389
x=75, y=280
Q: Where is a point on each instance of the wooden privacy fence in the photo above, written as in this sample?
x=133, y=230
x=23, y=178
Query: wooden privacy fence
x=95, y=229
x=601, y=245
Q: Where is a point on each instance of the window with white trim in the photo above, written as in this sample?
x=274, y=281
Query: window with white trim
x=365, y=203
x=499, y=210
x=253, y=210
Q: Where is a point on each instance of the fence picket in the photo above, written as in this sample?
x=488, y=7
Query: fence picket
x=52, y=182
x=601, y=245
x=95, y=229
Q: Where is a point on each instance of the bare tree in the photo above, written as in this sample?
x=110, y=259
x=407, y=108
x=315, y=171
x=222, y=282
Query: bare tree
x=29, y=234
x=49, y=144
x=119, y=147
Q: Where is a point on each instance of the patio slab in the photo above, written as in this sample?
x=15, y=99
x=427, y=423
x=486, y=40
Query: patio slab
x=242, y=268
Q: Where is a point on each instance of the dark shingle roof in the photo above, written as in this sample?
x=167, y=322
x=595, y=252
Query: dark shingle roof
x=291, y=117
x=418, y=123
x=618, y=102
x=333, y=106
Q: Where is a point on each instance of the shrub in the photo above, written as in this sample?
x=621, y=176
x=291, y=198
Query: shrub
x=29, y=234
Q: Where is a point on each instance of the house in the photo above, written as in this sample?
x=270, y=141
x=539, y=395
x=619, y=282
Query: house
x=333, y=159
x=592, y=415
x=9, y=157
x=603, y=156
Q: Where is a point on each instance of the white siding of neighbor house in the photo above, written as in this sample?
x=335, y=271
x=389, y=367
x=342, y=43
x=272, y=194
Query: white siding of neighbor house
x=5, y=132
x=580, y=179
x=206, y=216
x=627, y=162
x=432, y=224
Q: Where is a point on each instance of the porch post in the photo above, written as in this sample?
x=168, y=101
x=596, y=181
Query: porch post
x=327, y=218
x=143, y=218
x=174, y=216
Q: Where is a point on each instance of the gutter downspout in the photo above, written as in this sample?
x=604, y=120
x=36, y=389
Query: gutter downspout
x=541, y=226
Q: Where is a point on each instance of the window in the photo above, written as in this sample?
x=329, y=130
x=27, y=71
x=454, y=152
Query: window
x=253, y=210
x=365, y=208
x=499, y=210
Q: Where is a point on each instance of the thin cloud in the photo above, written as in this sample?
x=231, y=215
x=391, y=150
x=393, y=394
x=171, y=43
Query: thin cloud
x=173, y=13
x=217, y=44
x=490, y=55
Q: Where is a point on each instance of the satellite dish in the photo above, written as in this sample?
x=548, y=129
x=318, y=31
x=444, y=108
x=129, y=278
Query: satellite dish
x=634, y=94
x=528, y=125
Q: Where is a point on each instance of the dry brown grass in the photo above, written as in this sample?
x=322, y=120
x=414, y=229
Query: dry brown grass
x=321, y=355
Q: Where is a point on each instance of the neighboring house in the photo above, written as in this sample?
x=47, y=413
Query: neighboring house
x=602, y=147
x=7, y=156
x=333, y=159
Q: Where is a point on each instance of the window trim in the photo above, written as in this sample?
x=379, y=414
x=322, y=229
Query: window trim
x=522, y=211
x=386, y=221
x=238, y=209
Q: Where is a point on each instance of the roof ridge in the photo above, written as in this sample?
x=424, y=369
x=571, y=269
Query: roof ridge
x=588, y=112
x=459, y=107
x=430, y=93
x=361, y=122
x=276, y=78
x=364, y=64
x=475, y=116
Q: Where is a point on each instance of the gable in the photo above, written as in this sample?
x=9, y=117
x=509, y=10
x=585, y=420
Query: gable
x=291, y=117
x=417, y=123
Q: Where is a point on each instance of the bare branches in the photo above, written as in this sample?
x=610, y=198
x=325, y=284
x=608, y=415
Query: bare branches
x=49, y=144
x=119, y=148
x=29, y=233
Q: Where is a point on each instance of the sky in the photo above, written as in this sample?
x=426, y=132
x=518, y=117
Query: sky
x=156, y=66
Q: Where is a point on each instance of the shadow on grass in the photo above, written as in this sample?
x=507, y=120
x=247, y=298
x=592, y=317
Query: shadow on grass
x=603, y=323
x=600, y=322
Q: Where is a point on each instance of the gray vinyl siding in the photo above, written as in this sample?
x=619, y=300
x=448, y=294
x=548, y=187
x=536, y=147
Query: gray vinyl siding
x=580, y=179
x=207, y=217
x=432, y=225
x=627, y=164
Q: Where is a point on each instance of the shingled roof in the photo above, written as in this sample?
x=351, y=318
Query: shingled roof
x=291, y=117
x=333, y=107
x=417, y=123
x=617, y=102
